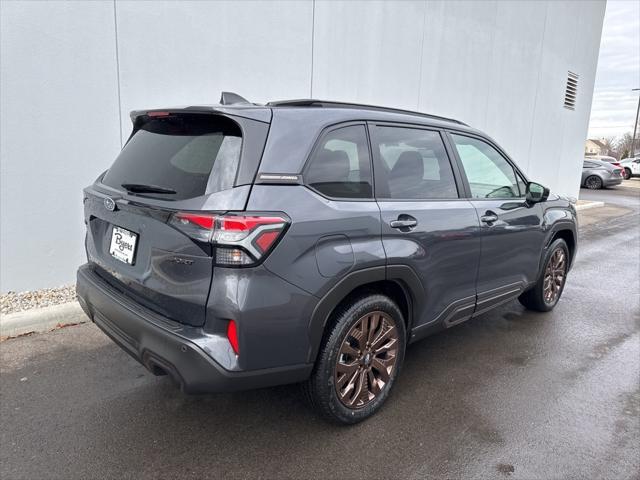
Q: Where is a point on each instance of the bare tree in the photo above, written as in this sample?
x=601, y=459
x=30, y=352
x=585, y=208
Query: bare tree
x=610, y=145
x=623, y=146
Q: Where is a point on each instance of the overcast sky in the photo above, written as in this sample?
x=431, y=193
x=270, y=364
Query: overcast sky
x=614, y=104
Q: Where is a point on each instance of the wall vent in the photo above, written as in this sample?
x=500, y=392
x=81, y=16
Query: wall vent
x=571, y=91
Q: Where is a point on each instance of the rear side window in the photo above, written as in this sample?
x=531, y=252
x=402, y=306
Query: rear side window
x=489, y=174
x=340, y=166
x=191, y=155
x=412, y=164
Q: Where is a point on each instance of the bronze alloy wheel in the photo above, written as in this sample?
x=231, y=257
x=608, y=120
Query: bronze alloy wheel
x=554, y=276
x=366, y=359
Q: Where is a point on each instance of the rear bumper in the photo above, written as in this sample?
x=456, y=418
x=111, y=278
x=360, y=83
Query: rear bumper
x=612, y=181
x=167, y=347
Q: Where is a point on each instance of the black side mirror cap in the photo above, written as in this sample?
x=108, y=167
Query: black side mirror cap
x=536, y=193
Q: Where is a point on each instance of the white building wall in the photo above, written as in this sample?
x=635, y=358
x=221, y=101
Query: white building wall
x=186, y=53
x=72, y=71
x=58, y=130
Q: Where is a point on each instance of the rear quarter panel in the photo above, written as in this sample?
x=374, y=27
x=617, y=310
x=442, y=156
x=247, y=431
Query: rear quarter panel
x=326, y=240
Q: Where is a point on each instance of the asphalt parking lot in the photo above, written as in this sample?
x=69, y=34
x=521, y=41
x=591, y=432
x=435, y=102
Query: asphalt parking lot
x=511, y=394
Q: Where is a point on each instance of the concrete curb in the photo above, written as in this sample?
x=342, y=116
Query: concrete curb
x=585, y=205
x=40, y=320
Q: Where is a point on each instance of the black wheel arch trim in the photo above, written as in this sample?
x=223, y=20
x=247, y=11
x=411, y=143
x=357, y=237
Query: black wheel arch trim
x=557, y=227
x=403, y=275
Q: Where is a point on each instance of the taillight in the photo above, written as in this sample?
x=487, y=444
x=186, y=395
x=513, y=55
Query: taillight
x=197, y=226
x=239, y=239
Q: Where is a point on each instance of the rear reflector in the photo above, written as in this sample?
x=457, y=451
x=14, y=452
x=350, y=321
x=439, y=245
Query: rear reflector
x=232, y=335
x=239, y=239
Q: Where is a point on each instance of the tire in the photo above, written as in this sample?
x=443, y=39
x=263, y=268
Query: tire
x=330, y=375
x=593, y=182
x=537, y=298
x=627, y=173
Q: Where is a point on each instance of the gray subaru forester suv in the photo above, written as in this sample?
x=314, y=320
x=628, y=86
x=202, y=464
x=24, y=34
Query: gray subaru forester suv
x=240, y=246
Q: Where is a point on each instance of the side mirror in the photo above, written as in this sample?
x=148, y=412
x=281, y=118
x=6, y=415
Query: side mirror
x=536, y=193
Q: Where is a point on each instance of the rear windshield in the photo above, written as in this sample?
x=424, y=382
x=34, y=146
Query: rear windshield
x=178, y=157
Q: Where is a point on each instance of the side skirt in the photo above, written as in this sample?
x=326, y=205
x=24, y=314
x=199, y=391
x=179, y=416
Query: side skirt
x=467, y=308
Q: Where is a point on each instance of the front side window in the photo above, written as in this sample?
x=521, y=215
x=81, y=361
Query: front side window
x=412, y=164
x=488, y=172
x=340, y=166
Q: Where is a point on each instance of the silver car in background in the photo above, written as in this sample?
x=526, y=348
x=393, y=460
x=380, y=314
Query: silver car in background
x=597, y=174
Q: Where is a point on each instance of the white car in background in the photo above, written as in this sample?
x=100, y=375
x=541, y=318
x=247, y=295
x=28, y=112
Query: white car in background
x=631, y=167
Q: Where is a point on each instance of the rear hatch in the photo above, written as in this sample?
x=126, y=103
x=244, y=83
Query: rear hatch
x=175, y=161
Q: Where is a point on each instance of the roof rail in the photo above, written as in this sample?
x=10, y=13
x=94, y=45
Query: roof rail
x=329, y=104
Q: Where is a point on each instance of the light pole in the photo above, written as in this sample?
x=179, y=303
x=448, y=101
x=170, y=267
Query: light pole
x=635, y=127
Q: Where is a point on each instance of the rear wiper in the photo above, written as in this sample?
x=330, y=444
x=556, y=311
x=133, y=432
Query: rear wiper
x=141, y=188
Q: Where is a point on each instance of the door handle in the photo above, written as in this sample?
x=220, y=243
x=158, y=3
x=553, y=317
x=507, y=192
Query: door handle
x=489, y=217
x=404, y=221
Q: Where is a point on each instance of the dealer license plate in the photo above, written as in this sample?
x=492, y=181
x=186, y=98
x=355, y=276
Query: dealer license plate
x=123, y=245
